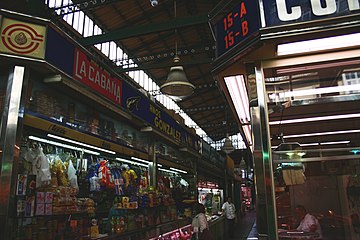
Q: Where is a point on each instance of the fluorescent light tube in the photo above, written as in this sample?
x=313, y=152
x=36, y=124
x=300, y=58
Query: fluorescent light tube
x=131, y=162
x=167, y=170
x=322, y=133
x=248, y=134
x=63, y=145
x=314, y=119
x=80, y=143
x=178, y=170
x=238, y=93
x=333, y=143
x=140, y=160
x=307, y=92
x=319, y=44
x=308, y=144
x=317, y=144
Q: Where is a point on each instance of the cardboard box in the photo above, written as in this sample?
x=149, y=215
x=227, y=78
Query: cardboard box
x=40, y=209
x=40, y=197
x=49, y=196
x=48, y=209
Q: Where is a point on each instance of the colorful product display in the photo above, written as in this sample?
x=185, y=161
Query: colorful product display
x=117, y=198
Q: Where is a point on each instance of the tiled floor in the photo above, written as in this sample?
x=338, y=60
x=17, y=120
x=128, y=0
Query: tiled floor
x=244, y=226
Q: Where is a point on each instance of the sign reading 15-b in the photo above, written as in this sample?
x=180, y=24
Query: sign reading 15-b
x=236, y=26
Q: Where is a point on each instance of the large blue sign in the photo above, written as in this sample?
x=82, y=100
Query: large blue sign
x=279, y=12
x=236, y=26
x=142, y=107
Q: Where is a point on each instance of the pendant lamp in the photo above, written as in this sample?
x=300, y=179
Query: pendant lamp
x=177, y=84
x=228, y=147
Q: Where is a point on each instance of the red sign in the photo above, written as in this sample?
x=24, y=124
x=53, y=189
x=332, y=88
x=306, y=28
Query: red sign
x=92, y=75
x=212, y=185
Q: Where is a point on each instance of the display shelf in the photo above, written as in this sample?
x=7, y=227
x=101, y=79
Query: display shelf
x=61, y=215
x=133, y=232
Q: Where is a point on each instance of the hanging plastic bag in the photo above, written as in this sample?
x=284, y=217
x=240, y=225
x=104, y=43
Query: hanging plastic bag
x=43, y=175
x=72, y=176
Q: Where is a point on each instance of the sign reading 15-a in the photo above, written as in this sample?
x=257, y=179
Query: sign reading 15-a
x=236, y=25
x=229, y=22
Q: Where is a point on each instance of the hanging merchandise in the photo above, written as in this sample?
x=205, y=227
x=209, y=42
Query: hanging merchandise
x=161, y=184
x=130, y=178
x=58, y=170
x=40, y=164
x=105, y=176
x=118, y=181
x=72, y=176
x=144, y=182
x=92, y=176
x=184, y=183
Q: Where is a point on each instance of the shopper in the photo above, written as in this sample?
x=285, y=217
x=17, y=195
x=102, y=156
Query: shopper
x=308, y=222
x=200, y=224
x=229, y=210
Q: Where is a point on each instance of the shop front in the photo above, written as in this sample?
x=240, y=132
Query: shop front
x=299, y=61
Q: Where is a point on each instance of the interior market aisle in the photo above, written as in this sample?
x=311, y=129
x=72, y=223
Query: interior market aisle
x=244, y=226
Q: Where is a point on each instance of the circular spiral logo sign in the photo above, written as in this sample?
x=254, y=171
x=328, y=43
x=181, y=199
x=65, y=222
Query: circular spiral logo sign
x=21, y=38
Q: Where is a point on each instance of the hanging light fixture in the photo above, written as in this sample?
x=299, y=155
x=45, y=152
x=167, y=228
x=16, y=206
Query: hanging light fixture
x=228, y=146
x=177, y=84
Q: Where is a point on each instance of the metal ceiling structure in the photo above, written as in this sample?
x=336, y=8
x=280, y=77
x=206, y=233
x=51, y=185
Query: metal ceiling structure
x=148, y=34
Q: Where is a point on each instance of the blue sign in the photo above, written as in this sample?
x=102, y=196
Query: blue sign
x=279, y=12
x=60, y=51
x=236, y=26
x=142, y=107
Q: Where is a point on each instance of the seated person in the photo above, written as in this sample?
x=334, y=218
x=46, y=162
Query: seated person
x=308, y=222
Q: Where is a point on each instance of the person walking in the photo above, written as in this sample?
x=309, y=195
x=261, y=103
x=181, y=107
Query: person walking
x=229, y=210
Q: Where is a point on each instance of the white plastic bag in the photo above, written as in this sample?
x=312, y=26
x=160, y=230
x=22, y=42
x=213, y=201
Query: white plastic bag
x=72, y=176
x=43, y=175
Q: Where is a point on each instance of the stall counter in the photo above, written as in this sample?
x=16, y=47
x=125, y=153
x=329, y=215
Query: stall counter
x=217, y=227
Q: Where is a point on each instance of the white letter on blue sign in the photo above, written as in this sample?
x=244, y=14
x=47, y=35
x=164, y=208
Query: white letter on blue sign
x=353, y=5
x=295, y=12
x=318, y=10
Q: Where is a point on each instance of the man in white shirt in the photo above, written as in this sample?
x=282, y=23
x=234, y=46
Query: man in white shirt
x=308, y=222
x=228, y=209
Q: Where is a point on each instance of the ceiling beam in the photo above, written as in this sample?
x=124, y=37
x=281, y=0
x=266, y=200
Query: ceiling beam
x=204, y=108
x=165, y=65
x=144, y=29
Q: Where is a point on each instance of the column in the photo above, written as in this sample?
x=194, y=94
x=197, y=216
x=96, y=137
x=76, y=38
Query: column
x=263, y=167
x=9, y=145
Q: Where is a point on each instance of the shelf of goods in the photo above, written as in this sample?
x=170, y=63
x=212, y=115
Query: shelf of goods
x=69, y=194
